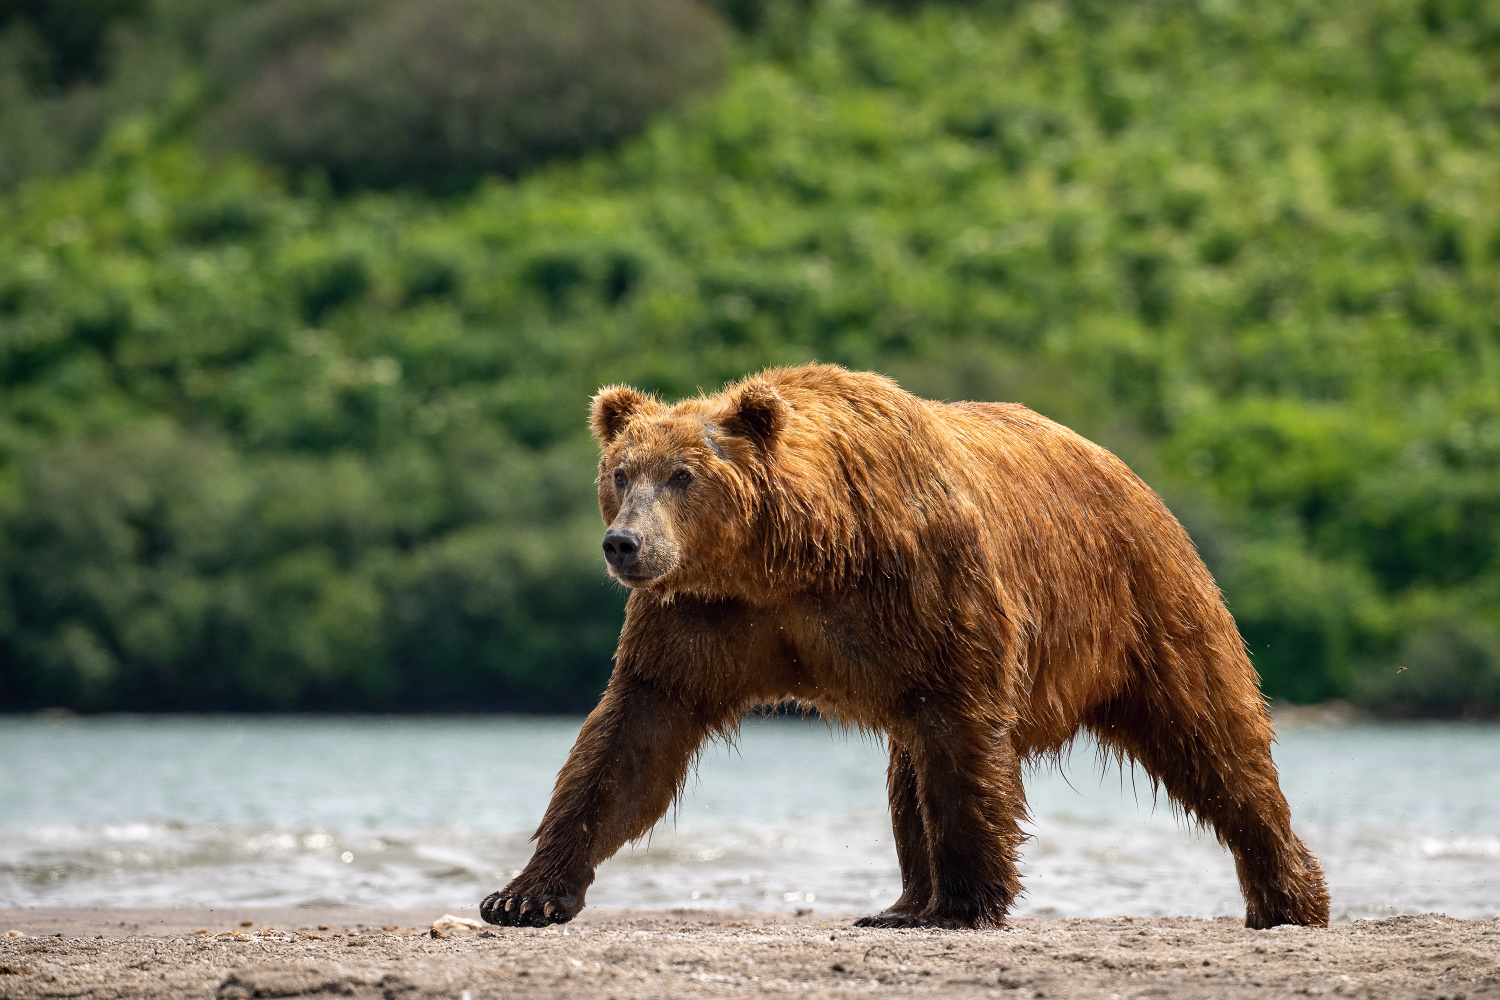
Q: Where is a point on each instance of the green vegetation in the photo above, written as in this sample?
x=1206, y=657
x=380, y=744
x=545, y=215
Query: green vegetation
x=267, y=446
x=365, y=92
x=444, y=91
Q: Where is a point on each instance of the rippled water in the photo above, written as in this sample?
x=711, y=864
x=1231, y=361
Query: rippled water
x=144, y=811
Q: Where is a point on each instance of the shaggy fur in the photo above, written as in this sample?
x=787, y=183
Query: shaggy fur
x=971, y=579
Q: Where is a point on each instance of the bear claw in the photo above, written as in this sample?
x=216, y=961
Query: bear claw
x=535, y=909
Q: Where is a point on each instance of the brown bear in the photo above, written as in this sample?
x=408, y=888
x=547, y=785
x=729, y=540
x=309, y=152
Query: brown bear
x=973, y=580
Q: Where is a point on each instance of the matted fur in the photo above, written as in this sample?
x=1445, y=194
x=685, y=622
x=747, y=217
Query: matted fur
x=973, y=580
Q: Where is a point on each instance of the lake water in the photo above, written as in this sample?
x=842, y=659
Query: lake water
x=148, y=811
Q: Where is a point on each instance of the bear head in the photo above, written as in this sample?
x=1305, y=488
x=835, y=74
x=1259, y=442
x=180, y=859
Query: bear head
x=680, y=486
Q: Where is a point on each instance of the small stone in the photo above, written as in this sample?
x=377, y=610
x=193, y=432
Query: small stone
x=448, y=922
x=15, y=933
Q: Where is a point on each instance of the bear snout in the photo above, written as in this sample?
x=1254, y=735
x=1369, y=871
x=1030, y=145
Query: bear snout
x=621, y=547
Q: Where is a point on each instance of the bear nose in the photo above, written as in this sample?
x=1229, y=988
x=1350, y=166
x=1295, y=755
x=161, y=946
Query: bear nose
x=621, y=547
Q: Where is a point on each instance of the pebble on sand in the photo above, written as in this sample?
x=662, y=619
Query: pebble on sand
x=448, y=923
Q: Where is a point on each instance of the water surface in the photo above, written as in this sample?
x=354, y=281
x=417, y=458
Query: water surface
x=143, y=811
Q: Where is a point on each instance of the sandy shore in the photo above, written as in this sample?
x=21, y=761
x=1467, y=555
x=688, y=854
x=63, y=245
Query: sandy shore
x=248, y=952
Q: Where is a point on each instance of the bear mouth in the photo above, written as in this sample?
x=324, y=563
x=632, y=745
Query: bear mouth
x=630, y=579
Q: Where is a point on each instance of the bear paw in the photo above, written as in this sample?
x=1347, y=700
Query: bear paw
x=538, y=907
x=928, y=918
x=892, y=918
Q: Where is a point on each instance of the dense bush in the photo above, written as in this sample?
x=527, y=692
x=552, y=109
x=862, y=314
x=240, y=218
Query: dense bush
x=70, y=36
x=442, y=92
x=70, y=70
x=260, y=446
x=157, y=569
x=363, y=91
x=1447, y=669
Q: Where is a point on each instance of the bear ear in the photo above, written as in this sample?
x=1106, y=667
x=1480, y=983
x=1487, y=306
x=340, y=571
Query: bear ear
x=759, y=413
x=612, y=407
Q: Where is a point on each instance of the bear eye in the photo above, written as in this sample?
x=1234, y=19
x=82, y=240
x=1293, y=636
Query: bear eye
x=620, y=479
x=682, y=476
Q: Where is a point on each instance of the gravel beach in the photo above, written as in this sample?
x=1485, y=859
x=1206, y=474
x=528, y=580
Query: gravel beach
x=247, y=952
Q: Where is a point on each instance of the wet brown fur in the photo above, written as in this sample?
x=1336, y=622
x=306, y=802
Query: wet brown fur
x=973, y=580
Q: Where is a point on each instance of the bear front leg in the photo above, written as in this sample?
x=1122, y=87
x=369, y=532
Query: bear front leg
x=630, y=759
x=911, y=844
x=972, y=806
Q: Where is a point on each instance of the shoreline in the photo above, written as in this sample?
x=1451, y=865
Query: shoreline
x=1330, y=712
x=241, y=952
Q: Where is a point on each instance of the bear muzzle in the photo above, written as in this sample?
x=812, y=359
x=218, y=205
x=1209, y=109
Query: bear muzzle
x=639, y=558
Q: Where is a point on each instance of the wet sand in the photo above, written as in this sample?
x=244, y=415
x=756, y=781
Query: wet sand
x=242, y=952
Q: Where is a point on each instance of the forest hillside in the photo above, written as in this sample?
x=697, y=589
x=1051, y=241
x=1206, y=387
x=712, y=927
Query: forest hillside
x=297, y=336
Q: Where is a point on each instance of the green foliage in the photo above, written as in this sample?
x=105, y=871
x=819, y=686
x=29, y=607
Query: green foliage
x=71, y=34
x=1449, y=670
x=442, y=92
x=263, y=447
x=72, y=69
x=363, y=92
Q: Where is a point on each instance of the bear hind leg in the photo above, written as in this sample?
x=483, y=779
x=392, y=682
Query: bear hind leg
x=911, y=845
x=971, y=804
x=1217, y=767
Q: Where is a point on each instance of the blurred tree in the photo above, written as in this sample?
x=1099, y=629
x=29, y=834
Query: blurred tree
x=263, y=445
x=443, y=92
x=73, y=35
x=72, y=70
x=1447, y=669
